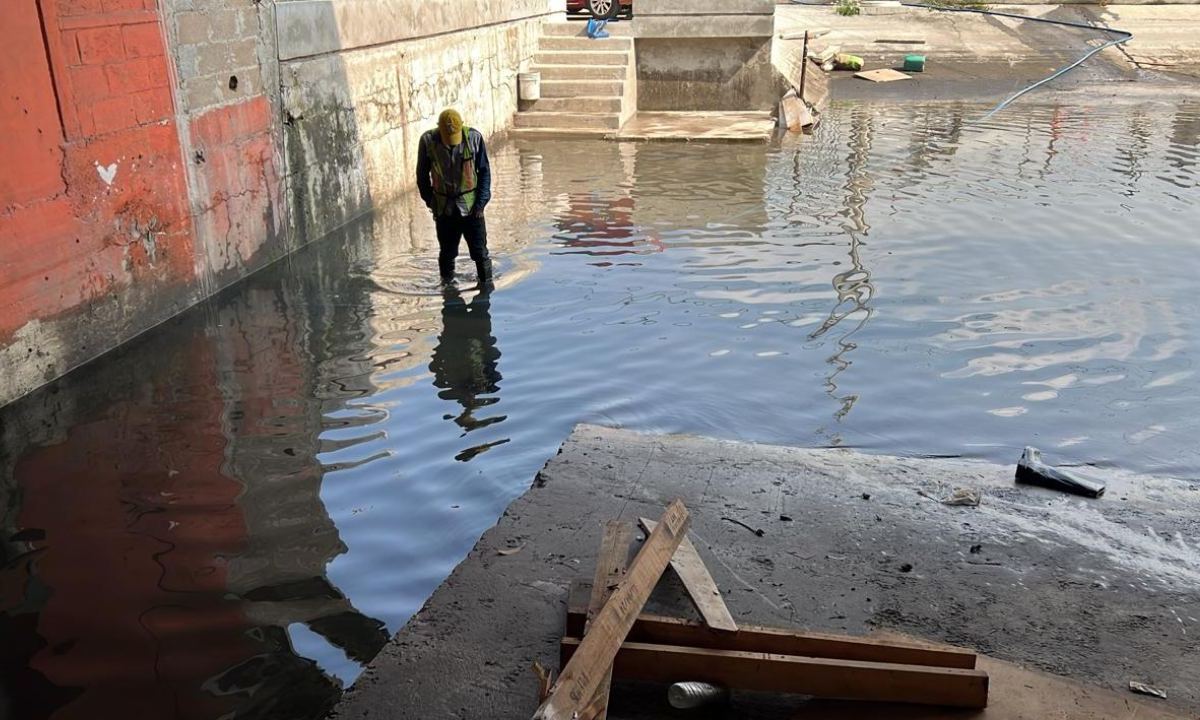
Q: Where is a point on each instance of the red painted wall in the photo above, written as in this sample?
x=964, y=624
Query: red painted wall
x=93, y=197
x=238, y=190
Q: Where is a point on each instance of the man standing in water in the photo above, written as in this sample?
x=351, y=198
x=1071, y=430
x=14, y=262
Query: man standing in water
x=455, y=180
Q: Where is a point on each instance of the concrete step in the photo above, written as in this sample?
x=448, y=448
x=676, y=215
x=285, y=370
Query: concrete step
x=582, y=88
x=580, y=72
x=565, y=29
x=567, y=120
x=574, y=57
x=578, y=104
x=550, y=44
x=621, y=29
x=562, y=133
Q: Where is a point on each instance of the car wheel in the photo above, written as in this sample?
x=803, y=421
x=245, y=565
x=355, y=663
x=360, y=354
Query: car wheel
x=604, y=9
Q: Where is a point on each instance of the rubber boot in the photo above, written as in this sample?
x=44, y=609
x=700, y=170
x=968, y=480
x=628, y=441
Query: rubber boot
x=483, y=269
x=446, y=270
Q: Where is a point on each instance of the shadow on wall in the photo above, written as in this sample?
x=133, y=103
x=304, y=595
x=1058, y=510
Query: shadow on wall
x=161, y=516
x=362, y=81
x=715, y=74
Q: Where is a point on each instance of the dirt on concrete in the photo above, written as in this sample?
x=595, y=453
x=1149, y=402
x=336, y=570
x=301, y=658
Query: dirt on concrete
x=1098, y=591
x=974, y=57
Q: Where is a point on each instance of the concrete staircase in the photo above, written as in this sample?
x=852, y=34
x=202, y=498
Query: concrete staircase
x=589, y=87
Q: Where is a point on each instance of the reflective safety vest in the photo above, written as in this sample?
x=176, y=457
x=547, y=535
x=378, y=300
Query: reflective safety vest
x=442, y=162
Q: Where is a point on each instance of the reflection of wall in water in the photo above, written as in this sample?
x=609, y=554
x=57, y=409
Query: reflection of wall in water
x=1185, y=136
x=693, y=185
x=587, y=189
x=176, y=487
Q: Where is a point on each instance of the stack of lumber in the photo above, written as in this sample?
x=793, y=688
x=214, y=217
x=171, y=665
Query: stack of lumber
x=608, y=635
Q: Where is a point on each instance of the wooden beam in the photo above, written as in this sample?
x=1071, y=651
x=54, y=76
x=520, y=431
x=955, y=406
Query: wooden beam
x=690, y=568
x=611, y=564
x=583, y=674
x=660, y=630
x=819, y=677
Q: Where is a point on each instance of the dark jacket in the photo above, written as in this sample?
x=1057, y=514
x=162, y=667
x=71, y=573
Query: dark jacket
x=483, y=169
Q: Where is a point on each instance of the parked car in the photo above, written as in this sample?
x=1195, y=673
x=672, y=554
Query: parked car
x=602, y=9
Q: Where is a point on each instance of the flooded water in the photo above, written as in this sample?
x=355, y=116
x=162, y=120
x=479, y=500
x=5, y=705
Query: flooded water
x=229, y=517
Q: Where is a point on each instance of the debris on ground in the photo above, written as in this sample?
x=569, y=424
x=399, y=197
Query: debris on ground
x=1144, y=689
x=690, y=695
x=545, y=680
x=882, y=75
x=914, y=63
x=1032, y=470
x=846, y=61
x=976, y=549
x=965, y=497
x=511, y=550
x=826, y=55
x=906, y=568
x=605, y=625
x=757, y=531
x=866, y=496
x=794, y=114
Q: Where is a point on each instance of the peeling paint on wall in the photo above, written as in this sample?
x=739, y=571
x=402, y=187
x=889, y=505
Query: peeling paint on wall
x=150, y=158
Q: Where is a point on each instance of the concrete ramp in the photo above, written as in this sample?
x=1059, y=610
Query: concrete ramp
x=851, y=543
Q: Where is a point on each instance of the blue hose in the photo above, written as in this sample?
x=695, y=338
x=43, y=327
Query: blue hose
x=1122, y=37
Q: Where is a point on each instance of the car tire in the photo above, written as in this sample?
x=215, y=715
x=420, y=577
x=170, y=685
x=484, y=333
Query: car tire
x=604, y=9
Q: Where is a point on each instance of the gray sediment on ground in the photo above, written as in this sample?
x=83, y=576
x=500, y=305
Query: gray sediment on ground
x=1101, y=591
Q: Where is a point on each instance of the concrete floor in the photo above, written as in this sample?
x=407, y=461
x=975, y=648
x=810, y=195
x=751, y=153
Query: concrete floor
x=741, y=127
x=1098, y=591
x=974, y=57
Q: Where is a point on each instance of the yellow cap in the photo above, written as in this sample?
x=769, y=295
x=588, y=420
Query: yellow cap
x=450, y=127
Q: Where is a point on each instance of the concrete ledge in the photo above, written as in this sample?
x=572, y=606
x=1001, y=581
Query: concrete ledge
x=646, y=8
x=315, y=27
x=1100, y=591
x=726, y=127
x=702, y=26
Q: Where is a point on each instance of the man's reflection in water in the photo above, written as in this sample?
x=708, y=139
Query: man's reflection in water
x=464, y=361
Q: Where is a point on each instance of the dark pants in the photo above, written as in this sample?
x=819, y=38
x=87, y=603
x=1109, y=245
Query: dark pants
x=453, y=228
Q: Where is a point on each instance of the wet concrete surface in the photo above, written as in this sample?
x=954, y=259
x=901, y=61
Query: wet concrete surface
x=745, y=127
x=1101, y=592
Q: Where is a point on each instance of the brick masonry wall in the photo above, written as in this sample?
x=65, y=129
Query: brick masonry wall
x=95, y=234
x=224, y=54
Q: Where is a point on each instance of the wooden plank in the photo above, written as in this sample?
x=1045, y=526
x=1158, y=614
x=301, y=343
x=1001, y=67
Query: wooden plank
x=611, y=564
x=750, y=638
x=700, y=585
x=545, y=680
x=582, y=675
x=819, y=677
x=882, y=75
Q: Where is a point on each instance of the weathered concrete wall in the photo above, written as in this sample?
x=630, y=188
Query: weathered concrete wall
x=706, y=55
x=707, y=74
x=148, y=157
x=95, y=234
x=224, y=52
x=156, y=181
x=704, y=18
x=356, y=101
